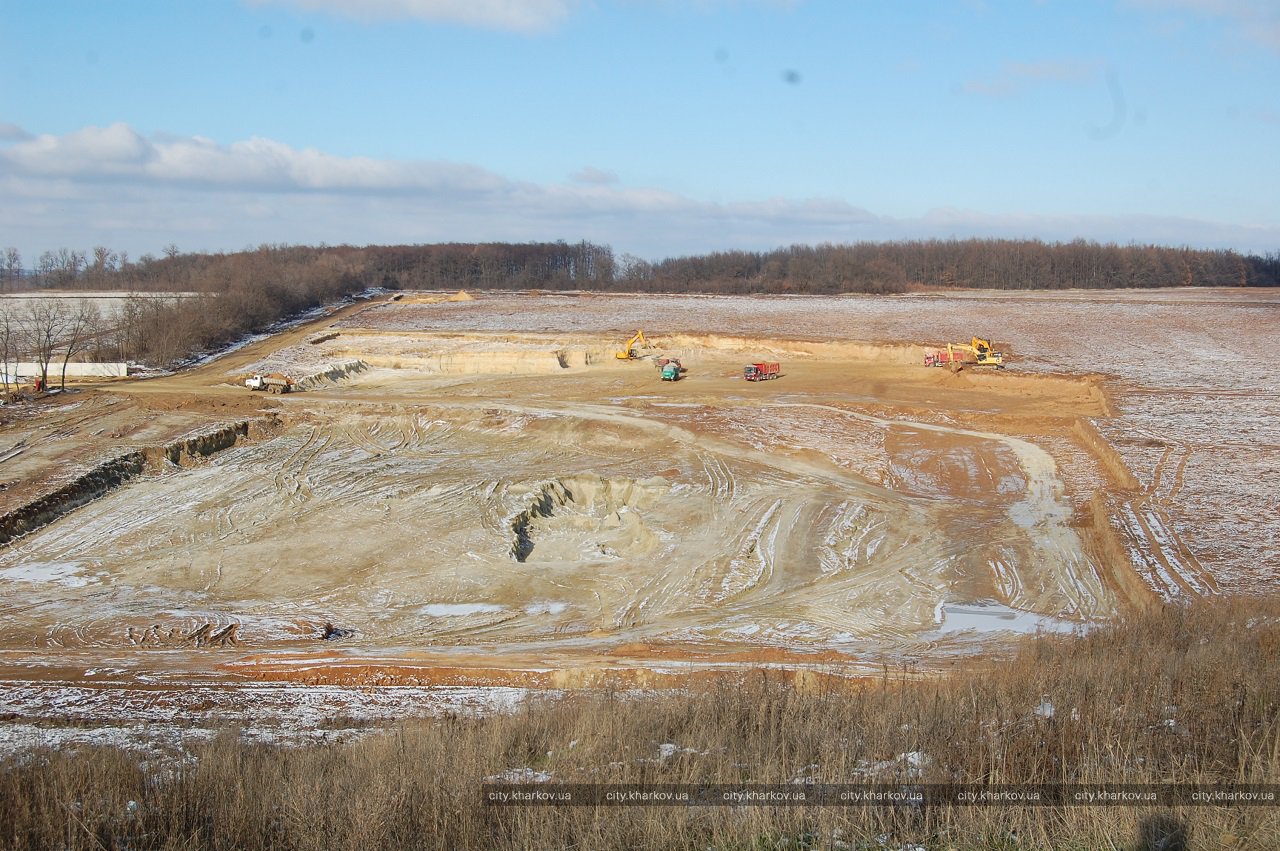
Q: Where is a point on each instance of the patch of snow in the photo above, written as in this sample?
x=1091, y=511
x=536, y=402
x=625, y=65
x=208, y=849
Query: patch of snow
x=994, y=617
x=65, y=573
x=667, y=750
x=520, y=775
x=915, y=762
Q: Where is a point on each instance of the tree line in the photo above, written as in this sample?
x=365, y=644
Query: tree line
x=889, y=267
x=232, y=294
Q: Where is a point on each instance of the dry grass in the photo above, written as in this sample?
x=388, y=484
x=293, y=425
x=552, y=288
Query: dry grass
x=1176, y=695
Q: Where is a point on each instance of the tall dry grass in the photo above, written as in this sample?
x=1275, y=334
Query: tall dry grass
x=1174, y=695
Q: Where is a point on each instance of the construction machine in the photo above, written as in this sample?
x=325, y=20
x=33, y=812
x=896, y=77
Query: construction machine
x=274, y=383
x=631, y=349
x=763, y=371
x=670, y=368
x=977, y=352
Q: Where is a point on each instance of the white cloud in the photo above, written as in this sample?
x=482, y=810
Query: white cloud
x=112, y=186
x=1255, y=20
x=119, y=153
x=515, y=15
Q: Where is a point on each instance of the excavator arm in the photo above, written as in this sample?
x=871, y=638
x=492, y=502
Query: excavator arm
x=981, y=350
x=630, y=348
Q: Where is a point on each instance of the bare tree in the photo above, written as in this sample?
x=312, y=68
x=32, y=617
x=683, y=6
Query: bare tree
x=69, y=264
x=9, y=342
x=104, y=261
x=12, y=267
x=82, y=325
x=45, y=321
x=46, y=265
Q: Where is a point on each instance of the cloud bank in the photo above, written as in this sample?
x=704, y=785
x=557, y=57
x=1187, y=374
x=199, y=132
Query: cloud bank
x=113, y=186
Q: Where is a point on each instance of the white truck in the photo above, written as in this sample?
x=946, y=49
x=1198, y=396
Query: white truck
x=273, y=383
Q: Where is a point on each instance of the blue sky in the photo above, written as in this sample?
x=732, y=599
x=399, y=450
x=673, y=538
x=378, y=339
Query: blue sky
x=659, y=127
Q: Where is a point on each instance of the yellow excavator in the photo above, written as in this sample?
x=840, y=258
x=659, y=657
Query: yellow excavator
x=986, y=355
x=631, y=349
x=978, y=352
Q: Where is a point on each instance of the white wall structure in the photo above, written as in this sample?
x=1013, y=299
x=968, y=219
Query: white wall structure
x=110, y=303
x=27, y=371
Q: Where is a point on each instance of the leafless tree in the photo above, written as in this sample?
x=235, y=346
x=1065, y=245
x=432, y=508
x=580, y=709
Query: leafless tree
x=12, y=267
x=82, y=325
x=47, y=264
x=129, y=326
x=104, y=261
x=44, y=323
x=69, y=264
x=9, y=342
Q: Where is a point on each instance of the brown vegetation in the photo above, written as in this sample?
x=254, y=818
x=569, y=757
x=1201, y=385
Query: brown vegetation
x=1174, y=695
x=246, y=291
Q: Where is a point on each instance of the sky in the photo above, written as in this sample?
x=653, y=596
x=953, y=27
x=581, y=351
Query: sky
x=661, y=128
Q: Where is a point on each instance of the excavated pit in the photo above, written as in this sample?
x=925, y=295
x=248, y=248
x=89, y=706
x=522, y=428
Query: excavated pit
x=490, y=507
x=406, y=526
x=586, y=518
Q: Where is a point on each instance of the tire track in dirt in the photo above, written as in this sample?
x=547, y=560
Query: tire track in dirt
x=287, y=481
x=1173, y=568
x=802, y=473
x=1042, y=513
x=1158, y=474
x=1180, y=474
x=720, y=475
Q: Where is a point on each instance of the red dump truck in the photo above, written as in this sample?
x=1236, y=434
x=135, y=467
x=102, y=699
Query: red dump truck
x=761, y=371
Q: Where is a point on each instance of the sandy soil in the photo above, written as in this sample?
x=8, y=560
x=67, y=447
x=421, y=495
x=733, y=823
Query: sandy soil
x=479, y=494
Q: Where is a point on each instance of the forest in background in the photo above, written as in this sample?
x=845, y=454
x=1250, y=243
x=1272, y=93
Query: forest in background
x=243, y=292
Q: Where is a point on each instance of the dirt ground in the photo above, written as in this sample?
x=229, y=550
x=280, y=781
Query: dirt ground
x=479, y=493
